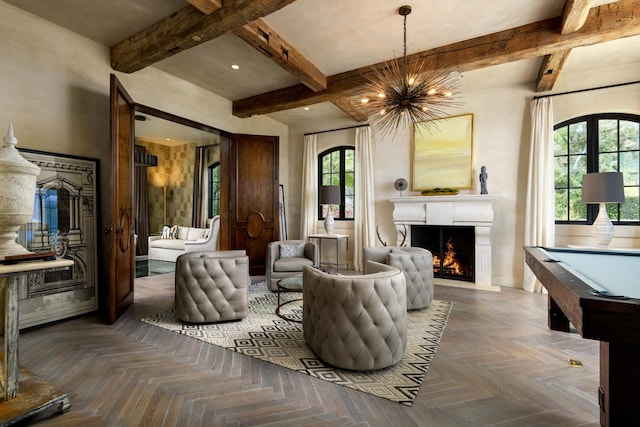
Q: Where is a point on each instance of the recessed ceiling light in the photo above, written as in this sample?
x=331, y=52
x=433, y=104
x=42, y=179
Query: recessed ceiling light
x=167, y=139
x=306, y=108
x=235, y=66
x=196, y=38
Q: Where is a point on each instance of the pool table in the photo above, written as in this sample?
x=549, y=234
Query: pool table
x=598, y=292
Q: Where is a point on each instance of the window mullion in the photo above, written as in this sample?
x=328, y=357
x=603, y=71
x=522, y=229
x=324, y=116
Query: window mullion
x=342, y=181
x=569, y=163
x=593, y=131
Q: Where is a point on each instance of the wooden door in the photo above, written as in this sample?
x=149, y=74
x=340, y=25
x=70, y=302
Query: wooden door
x=253, y=219
x=120, y=231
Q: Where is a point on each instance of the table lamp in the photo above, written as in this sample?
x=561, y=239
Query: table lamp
x=329, y=195
x=601, y=188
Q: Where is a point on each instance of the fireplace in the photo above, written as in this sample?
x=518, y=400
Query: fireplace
x=473, y=213
x=452, y=247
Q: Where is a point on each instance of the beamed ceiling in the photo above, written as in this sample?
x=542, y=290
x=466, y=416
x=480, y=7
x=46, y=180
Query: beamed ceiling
x=317, y=54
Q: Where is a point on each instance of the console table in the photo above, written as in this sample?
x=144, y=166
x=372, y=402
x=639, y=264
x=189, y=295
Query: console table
x=336, y=238
x=23, y=393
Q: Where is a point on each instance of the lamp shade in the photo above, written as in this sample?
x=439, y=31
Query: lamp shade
x=329, y=195
x=603, y=187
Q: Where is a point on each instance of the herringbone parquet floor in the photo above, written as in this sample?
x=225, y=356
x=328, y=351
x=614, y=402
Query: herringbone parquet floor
x=497, y=365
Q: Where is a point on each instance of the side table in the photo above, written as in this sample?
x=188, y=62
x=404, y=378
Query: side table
x=23, y=393
x=336, y=238
x=288, y=284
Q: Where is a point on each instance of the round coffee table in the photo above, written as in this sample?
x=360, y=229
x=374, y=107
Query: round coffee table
x=288, y=284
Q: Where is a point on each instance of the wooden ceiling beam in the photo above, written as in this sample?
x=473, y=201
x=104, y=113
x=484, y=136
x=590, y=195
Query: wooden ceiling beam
x=574, y=15
x=206, y=6
x=550, y=70
x=264, y=39
x=350, y=110
x=185, y=29
x=605, y=23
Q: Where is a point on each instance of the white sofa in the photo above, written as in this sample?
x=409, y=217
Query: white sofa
x=188, y=239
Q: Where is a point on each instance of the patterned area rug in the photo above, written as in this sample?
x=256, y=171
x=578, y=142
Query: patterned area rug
x=265, y=336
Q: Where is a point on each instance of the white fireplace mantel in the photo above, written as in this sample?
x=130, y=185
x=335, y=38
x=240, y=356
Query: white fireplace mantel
x=459, y=210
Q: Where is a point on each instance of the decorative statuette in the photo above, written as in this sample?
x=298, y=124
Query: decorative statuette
x=483, y=180
x=17, y=190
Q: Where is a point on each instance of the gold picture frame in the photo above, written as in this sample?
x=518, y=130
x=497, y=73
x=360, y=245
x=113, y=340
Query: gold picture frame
x=442, y=153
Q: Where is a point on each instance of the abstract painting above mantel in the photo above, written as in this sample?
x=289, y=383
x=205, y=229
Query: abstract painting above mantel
x=64, y=221
x=442, y=154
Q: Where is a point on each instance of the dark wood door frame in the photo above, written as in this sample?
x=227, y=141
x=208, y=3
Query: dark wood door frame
x=121, y=228
x=261, y=225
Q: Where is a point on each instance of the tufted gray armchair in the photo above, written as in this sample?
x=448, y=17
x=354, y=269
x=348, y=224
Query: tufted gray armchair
x=356, y=322
x=286, y=258
x=415, y=263
x=212, y=286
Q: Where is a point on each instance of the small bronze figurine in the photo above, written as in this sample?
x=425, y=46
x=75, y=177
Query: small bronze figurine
x=483, y=180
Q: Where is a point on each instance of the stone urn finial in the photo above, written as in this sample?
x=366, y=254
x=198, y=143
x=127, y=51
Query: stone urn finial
x=17, y=192
x=10, y=139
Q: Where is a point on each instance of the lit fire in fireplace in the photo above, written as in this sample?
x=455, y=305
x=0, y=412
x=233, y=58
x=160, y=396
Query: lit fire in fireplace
x=451, y=265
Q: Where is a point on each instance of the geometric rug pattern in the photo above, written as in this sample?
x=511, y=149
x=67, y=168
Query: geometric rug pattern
x=265, y=336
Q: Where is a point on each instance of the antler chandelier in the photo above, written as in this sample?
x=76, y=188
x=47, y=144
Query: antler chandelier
x=409, y=92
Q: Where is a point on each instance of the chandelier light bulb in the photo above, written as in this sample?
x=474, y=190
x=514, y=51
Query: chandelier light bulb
x=364, y=100
x=431, y=92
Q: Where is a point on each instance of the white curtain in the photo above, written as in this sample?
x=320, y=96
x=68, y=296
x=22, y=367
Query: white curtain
x=364, y=221
x=309, y=199
x=540, y=208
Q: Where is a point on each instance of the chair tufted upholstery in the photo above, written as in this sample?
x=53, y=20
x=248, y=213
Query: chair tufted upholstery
x=415, y=263
x=212, y=286
x=356, y=322
x=278, y=268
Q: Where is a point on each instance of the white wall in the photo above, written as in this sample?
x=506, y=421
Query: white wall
x=54, y=88
x=501, y=142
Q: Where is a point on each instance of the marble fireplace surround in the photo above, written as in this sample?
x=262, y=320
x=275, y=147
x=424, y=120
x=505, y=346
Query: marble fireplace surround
x=459, y=210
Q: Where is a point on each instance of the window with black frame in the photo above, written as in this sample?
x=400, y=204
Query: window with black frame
x=336, y=166
x=596, y=143
x=213, y=181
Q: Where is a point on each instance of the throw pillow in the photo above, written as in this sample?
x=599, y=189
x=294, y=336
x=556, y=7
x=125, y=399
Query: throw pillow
x=169, y=232
x=295, y=250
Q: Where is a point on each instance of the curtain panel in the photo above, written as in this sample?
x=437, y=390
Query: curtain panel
x=540, y=203
x=364, y=209
x=309, y=196
x=142, y=210
x=199, y=215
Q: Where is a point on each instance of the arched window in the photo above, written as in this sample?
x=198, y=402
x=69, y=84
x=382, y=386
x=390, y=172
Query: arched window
x=596, y=143
x=213, y=181
x=337, y=167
